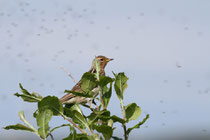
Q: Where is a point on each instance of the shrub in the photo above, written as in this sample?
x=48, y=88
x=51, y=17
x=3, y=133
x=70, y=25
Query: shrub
x=97, y=125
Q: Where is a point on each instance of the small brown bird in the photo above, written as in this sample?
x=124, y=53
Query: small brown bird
x=73, y=99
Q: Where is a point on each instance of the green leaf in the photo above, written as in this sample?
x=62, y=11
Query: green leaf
x=92, y=118
x=95, y=137
x=80, y=118
x=115, y=75
x=105, y=80
x=24, y=91
x=88, y=82
x=35, y=113
x=63, y=125
x=132, y=111
x=103, y=115
x=120, y=84
x=116, y=138
x=117, y=119
x=107, y=93
x=104, y=112
x=19, y=127
x=138, y=125
x=106, y=131
x=82, y=136
x=88, y=94
x=22, y=117
x=28, y=97
x=97, y=65
x=77, y=108
x=72, y=135
x=43, y=119
x=110, y=123
x=69, y=113
x=52, y=103
x=76, y=114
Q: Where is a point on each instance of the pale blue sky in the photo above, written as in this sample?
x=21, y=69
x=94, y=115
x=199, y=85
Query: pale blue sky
x=148, y=39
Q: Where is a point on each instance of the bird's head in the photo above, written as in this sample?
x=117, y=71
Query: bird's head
x=102, y=60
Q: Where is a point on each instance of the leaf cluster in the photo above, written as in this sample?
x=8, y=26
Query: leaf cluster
x=99, y=124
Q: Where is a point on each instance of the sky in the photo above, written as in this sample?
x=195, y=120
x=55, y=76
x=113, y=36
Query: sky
x=162, y=46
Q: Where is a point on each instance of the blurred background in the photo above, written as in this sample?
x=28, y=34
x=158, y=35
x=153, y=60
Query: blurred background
x=162, y=46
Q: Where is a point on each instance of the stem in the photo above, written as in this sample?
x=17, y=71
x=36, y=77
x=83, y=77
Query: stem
x=97, y=65
x=80, y=129
x=68, y=74
x=91, y=132
x=100, y=94
x=123, y=109
x=124, y=117
x=125, y=133
x=83, y=131
x=51, y=136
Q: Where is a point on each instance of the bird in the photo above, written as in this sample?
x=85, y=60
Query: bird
x=70, y=98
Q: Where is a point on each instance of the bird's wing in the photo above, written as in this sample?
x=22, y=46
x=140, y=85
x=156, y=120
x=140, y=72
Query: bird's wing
x=69, y=96
x=77, y=87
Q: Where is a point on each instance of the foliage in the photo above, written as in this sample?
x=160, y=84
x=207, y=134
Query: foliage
x=99, y=123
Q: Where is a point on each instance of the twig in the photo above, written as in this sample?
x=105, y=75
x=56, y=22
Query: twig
x=98, y=69
x=91, y=131
x=97, y=106
x=123, y=109
x=68, y=74
x=66, y=118
x=51, y=136
x=102, y=101
x=124, y=117
x=125, y=133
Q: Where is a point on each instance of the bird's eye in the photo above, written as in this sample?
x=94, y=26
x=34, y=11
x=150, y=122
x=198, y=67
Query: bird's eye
x=101, y=59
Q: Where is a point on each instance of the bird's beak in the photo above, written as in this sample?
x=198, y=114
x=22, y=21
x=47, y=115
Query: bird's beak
x=109, y=59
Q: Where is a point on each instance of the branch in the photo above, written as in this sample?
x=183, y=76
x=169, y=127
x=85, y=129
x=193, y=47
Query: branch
x=51, y=136
x=100, y=94
x=66, y=118
x=68, y=74
x=125, y=133
x=91, y=132
x=98, y=69
x=124, y=117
